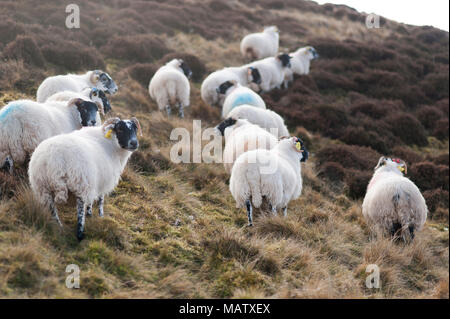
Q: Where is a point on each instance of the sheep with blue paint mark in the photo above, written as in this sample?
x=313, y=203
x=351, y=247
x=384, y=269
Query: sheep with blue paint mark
x=266, y=119
x=237, y=95
x=75, y=83
x=24, y=124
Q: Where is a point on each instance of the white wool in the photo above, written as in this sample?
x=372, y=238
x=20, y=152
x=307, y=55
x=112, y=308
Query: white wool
x=71, y=82
x=391, y=198
x=214, y=80
x=272, y=73
x=83, y=162
x=274, y=175
x=242, y=137
x=239, y=95
x=24, y=124
x=266, y=119
x=300, y=64
x=169, y=86
x=260, y=45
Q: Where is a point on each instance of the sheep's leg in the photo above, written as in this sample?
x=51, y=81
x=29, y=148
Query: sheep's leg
x=101, y=202
x=249, y=212
x=285, y=211
x=274, y=210
x=411, y=231
x=54, y=211
x=168, y=110
x=8, y=165
x=396, y=227
x=180, y=110
x=81, y=218
x=89, y=210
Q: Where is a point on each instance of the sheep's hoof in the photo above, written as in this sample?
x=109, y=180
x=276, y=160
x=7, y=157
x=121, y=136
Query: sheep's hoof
x=80, y=236
x=250, y=225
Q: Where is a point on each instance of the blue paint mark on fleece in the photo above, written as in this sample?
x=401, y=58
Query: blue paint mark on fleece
x=8, y=109
x=245, y=98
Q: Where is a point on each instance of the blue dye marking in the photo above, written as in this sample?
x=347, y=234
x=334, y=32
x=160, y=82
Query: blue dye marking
x=245, y=98
x=8, y=109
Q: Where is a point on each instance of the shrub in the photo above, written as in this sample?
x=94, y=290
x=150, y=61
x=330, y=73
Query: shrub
x=441, y=129
x=436, y=86
x=138, y=48
x=24, y=48
x=142, y=72
x=428, y=176
x=357, y=182
x=363, y=137
x=356, y=157
x=428, y=116
x=73, y=56
x=9, y=30
x=332, y=171
x=436, y=198
x=198, y=67
x=407, y=128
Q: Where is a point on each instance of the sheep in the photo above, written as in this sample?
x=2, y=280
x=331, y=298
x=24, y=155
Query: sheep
x=215, y=85
x=76, y=83
x=266, y=119
x=270, y=175
x=87, y=163
x=238, y=95
x=170, y=86
x=95, y=95
x=242, y=136
x=300, y=63
x=272, y=71
x=261, y=45
x=24, y=124
x=393, y=203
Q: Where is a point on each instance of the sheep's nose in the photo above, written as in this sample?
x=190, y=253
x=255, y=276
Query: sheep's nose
x=134, y=144
x=93, y=122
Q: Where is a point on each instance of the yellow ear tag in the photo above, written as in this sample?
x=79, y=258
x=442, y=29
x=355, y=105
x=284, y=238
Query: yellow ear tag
x=401, y=168
x=298, y=145
x=108, y=134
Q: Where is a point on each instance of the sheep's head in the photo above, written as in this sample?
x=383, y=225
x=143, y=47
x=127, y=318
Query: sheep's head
x=285, y=60
x=253, y=75
x=223, y=88
x=99, y=97
x=186, y=70
x=272, y=29
x=87, y=111
x=224, y=124
x=310, y=52
x=124, y=131
x=101, y=80
x=394, y=164
x=297, y=144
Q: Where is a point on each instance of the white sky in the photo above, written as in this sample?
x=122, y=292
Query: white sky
x=416, y=12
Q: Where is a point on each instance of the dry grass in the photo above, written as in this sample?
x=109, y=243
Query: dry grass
x=172, y=231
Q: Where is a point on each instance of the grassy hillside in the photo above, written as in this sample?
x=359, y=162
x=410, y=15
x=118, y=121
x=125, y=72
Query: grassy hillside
x=173, y=231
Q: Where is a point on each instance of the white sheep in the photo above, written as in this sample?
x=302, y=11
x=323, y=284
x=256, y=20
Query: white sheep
x=270, y=175
x=95, y=95
x=87, y=163
x=238, y=95
x=256, y=46
x=75, y=83
x=266, y=119
x=272, y=71
x=242, y=136
x=170, y=86
x=24, y=124
x=393, y=203
x=215, y=85
x=300, y=63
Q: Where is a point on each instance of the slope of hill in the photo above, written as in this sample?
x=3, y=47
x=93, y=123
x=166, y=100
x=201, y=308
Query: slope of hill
x=172, y=230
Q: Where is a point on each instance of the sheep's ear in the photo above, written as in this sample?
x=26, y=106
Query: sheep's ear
x=138, y=125
x=381, y=162
x=403, y=168
x=283, y=138
x=100, y=108
x=109, y=126
x=75, y=102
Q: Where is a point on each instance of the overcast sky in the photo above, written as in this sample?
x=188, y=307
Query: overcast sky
x=416, y=12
